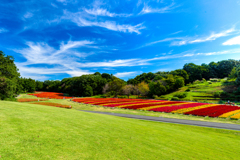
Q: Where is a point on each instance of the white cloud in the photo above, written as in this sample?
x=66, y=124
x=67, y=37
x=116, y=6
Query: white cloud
x=176, y=32
x=63, y=58
x=214, y=36
x=179, y=41
x=233, y=41
x=54, y=5
x=147, y=9
x=82, y=19
x=104, y=12
x=125, y=74
x=2, y=30
x=28, y=15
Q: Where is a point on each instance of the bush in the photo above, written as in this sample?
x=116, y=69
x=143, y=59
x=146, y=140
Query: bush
x=155, y=96
x=216, y=94
x=180, y=95
x=221, y=102
x=188, y=90
x=224, y=94
x=196, y=82
x=213, y=80
x=174, y=98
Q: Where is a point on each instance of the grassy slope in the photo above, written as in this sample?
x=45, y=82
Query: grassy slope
x=203, y=91
x=41, y=132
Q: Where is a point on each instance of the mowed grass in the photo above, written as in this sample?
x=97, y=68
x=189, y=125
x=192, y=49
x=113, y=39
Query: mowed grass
x=30, y=131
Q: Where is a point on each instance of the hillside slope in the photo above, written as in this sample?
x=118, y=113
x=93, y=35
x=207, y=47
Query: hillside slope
x=207, y=91
x=41, y=132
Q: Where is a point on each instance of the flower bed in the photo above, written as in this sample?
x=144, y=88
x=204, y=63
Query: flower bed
x=30, y=100
x=228, y=114
x=193, y=108
x=169, y=109
x=53, y=104
x=50, y=95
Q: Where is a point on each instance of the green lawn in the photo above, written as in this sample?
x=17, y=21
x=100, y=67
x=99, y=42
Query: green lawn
x=41, y=132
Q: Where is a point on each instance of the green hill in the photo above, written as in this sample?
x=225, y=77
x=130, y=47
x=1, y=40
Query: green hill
x=30, y=131
x=215, y=90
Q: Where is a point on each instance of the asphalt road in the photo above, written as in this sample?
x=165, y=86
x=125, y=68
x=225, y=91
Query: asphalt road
x=178, y=121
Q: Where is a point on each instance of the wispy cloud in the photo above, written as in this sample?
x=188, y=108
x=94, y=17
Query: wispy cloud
x=105, y=12
x=233, y=41
x=125, y=74
x=214, y=36
x=2, y=30
x=148, y=9
x=81, y=19
x=66, y=59
x=63, y=58
x=28, y=15
x=176, y=32
x=179, y=41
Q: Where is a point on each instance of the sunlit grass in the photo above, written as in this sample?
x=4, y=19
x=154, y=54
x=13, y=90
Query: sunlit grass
x=30, y=131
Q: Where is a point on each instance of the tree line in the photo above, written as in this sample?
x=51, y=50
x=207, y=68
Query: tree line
x=146, y=84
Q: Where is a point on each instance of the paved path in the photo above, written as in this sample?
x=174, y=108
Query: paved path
x=179, y=121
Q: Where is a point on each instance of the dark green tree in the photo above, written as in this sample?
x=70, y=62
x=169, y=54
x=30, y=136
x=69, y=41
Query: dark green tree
x=9, y=77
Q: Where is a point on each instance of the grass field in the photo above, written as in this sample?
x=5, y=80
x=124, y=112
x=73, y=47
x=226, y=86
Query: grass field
x=30, y=131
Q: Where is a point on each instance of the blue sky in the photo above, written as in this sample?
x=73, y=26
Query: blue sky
x=65, y=38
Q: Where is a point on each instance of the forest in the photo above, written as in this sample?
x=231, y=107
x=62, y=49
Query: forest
x=146, y=84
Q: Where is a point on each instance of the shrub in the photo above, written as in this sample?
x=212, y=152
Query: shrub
x=180, y=95
x=224, y=94
x=174, y=98
x=196, y=82
x=221, y=102
x=188, y=90
x=216, y=94
x=155, y=96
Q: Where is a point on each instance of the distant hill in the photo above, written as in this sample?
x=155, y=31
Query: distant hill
x=214, y=90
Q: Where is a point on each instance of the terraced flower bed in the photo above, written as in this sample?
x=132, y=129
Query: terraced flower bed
x=30, y=100
x=53, y=104
x=50, y=95
x=188, y=108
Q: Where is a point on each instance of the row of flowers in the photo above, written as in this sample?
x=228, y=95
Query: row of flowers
x=188, y=108
x=30, y=100
x=53, y=104
x=50, y=95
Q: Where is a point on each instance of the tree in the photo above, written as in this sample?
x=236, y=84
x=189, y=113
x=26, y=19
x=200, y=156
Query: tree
x=225, y=67
x=107, y=76
x=179, y=82
x=88, y=91
x=39, y=85
x=127, y=89
x=7, y=88
x=143, y=88
x=180, y=72
x=194, y=71
x=156, y=88
x=238, y=75
x=28, y=84
x=213, y=70
x=115, y=86
x=9, y=77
